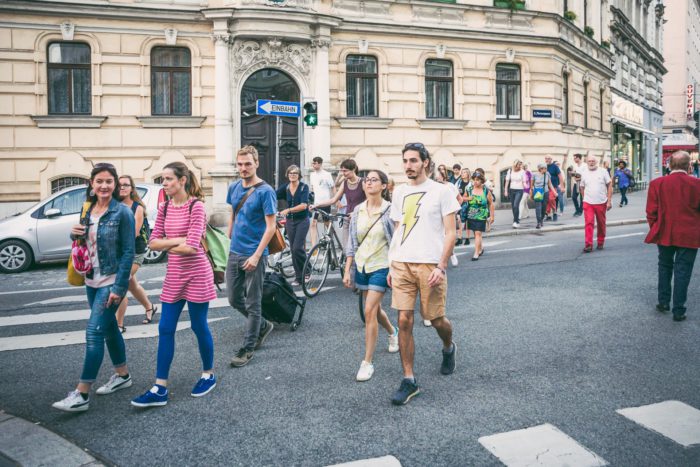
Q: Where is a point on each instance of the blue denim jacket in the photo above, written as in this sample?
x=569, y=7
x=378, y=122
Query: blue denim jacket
x=115, y=244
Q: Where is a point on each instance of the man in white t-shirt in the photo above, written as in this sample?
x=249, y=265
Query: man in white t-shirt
x=578, y=168
x=323, y=188
x=424, y=213
x=596, y=191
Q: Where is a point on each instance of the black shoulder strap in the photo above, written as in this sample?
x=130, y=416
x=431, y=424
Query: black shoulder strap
x=245, y=198
x=372, y=226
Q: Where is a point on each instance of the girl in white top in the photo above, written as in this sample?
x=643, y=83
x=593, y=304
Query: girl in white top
x=514, y=188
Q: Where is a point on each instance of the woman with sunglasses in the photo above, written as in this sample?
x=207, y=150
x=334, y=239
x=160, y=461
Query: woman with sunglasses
x=131, y=199
x=109, y=236
x=367, y=252
x=296, y=193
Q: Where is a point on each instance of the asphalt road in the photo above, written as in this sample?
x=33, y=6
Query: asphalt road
x=545, y=334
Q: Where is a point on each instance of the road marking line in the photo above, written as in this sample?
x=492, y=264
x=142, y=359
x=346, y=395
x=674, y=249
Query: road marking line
x=673, y=419
x=40, y=341
x=626, y=235
x=484, y=244
x=78, y=315
x=386, y=461
x=522, y=248
x=543, y=445
x=80, y=298
x=153, y=279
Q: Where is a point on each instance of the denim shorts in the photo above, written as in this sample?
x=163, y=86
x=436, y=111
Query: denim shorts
x=375, y=280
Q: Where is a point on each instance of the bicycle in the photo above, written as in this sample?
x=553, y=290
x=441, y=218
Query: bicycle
x=281, y=262
x=323, y=257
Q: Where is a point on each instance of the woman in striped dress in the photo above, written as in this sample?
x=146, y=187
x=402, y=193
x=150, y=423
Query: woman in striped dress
x=180, y=226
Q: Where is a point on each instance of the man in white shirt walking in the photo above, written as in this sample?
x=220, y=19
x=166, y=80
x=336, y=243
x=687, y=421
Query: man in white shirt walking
x=579, y=167
x=424, y=213
x=323, y=188
x=596, y=191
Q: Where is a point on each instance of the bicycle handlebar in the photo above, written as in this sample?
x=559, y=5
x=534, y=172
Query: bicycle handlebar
x=325, y=215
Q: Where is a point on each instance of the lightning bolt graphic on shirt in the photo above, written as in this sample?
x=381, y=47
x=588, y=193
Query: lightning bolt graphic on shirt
x=411, y=203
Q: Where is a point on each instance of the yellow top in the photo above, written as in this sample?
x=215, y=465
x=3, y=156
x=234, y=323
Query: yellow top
x=373, y=254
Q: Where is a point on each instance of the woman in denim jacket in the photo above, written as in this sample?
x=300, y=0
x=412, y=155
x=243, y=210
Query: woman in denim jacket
x=367, y=251
x=110, y=242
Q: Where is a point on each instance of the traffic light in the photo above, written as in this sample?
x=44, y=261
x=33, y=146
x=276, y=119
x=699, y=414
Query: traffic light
x=696, y=117
x=311, y=117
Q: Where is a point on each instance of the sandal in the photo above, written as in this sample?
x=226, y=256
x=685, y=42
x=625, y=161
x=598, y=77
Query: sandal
x=153, y=310
x=122, y=329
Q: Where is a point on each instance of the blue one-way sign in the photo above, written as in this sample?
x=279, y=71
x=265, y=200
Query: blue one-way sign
x=277, y=108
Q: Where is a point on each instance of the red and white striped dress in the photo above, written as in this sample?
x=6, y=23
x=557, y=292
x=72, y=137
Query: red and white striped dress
x=188, y=277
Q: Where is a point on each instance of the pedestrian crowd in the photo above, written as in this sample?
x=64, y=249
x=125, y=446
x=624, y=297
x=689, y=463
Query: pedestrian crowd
x=399, y=240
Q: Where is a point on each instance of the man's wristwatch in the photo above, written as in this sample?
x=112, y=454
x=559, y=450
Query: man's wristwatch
x=441, y=270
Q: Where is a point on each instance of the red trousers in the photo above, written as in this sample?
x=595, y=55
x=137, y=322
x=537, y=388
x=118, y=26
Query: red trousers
x=591, y=213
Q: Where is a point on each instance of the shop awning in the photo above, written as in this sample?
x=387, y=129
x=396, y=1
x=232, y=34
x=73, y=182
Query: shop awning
x=632, y=126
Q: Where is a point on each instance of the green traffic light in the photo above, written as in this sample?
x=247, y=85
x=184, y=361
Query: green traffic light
x=311, y=120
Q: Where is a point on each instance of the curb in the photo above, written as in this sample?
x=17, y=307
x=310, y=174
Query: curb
x=561, y=228
x=25, y=443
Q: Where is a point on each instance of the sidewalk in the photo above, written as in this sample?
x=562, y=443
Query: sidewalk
x=634, y=213
x=23, y=443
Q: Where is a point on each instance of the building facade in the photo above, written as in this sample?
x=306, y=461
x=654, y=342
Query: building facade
x=143, y=83
x=682, y=83
x=637, y=93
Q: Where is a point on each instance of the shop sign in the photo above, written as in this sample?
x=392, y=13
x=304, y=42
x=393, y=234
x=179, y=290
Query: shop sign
x=690, y=101
x=627, y=111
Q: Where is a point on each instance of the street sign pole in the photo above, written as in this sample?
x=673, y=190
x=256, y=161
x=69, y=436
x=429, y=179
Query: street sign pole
x=278, y=136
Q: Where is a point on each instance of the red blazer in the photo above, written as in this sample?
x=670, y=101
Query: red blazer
x=673, y=211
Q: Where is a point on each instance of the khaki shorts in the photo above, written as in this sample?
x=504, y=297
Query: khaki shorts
x=410, y=279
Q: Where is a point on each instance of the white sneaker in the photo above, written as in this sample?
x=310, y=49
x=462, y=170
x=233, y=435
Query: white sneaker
x=454, y=260
x=516, y=225
x=74, y=402
x=394, y=341
x=427, y=323
x=365, y=372
x=114, y=384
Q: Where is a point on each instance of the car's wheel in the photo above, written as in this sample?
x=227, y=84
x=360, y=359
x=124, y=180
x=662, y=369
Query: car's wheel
x=153, y=256
x=15, y=256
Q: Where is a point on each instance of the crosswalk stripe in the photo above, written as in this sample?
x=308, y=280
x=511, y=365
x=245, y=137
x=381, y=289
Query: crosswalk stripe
x=39, y=341
x=77, y=315
x=385, y=461
x=542, y=445
x=80, y=298
x=675, y=420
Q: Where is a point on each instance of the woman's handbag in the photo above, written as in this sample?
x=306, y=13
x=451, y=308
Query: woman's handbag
x=277, y=242
x=79, y=262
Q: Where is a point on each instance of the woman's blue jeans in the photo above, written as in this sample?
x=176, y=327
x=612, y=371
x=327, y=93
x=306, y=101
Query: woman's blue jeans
x=102, y=328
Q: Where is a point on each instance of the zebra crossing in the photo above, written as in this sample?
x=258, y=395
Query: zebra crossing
x=546, y=445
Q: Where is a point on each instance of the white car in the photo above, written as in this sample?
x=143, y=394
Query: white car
x=42, y=233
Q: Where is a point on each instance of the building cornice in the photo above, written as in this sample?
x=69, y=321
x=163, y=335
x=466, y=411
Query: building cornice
x=152, y=12
x=622, y=27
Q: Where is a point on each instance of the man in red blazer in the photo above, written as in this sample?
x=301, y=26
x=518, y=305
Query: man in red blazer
x=673, y=213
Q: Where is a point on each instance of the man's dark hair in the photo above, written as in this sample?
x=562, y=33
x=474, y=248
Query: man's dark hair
x=418, y=147
x=680, y=160
x=349, y=164
x=457, y=166
x=317, y=160
x=580, y=156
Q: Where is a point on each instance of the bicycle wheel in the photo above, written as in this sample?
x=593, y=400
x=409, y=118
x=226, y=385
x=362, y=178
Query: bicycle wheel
x=315, y=270
x=361, y=305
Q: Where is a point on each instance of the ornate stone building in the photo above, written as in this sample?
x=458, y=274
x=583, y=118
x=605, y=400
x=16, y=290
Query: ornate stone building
x=141, y=83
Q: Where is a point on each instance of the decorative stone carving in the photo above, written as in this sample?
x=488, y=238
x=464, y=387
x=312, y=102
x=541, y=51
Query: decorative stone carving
x=567, y=67
x=587, y=77
x=508, y=20
x=360, y=8
x=67, y=30
x=440, y=50
x=510, y=55
x=273, y=53
x=320, y=43
x=363, y=45
x=170, y=36
x=431, y=14
x=222, y=38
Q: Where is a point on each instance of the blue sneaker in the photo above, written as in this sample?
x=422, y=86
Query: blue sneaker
x=151, y=398
x=203, y=386
x=406, y=392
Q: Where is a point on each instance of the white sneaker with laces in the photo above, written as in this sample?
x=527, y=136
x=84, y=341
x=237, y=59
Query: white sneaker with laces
x=74, y=402
x=454, y=260
x=394, y=341
x=114, y=384
x=365, y=372
x=515, y=225
x=427, y=323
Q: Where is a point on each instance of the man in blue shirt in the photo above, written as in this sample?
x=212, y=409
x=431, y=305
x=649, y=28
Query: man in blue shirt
x=253, y=224
x=557, y=182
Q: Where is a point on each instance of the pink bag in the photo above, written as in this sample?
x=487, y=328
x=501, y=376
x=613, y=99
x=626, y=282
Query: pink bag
x=81, y=257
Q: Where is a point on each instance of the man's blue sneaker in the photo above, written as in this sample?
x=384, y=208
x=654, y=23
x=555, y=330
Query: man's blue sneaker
x=448, y=361
x=406, y=392
x=151, y=398
x=203, y=386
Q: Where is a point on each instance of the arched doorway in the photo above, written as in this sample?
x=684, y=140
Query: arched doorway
x=260, y=131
